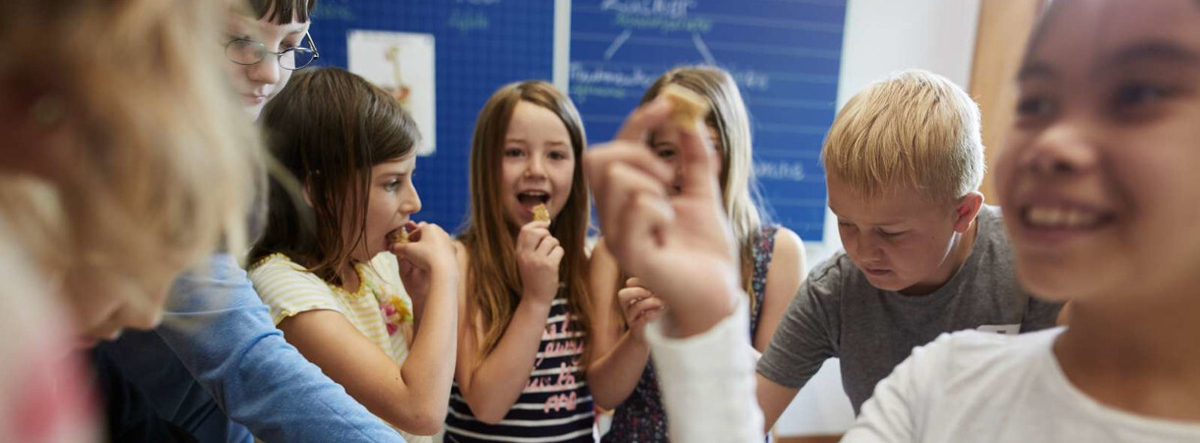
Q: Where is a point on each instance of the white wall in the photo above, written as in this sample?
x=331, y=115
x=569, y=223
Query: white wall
x=881, y=37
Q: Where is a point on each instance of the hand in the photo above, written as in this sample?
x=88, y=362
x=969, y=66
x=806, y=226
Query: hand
x=639, y=306
x=428, y=255
x=538, y=257
x=681, y=247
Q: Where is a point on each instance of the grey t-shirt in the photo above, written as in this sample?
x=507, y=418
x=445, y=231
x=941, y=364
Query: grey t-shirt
x=837, y=313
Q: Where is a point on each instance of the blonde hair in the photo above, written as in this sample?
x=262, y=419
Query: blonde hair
x=153, y=166
x=913, y=128
x=493, y=281
x=739, y=185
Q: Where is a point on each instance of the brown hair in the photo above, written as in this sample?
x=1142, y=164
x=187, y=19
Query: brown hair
x=281, y=12
x=327, y=129
x=493, y=281
x=739, y=187
x=158, y=164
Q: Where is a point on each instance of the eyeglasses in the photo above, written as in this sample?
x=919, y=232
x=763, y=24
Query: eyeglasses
x=249, y=52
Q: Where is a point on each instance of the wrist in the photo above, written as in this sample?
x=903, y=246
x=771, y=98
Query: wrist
x=536, y=301
x=686, y=320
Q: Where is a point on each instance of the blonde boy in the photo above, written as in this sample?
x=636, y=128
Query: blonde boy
x=922, y=256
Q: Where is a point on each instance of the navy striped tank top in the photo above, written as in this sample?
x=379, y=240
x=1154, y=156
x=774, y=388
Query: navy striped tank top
x=556, y=405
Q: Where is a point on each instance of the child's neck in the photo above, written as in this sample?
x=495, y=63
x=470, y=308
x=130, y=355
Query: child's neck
x=350, y=280
x=1137, y=354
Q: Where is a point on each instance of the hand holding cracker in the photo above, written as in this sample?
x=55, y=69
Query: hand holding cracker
x=687, y=106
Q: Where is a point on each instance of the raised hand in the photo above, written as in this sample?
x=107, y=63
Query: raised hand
x=538, y=257
x=639, y=306
x=428, y=255
x=681, y=247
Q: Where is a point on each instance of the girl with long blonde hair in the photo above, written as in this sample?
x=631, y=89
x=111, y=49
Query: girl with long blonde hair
x=771, y=259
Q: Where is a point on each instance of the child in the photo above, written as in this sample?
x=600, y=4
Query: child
x=115, y=178
x=264, y=44
x=771, y=256
x=527, y=317
x=332, y=287
x=923, y=255
x=1095, y=180
x=216, y=359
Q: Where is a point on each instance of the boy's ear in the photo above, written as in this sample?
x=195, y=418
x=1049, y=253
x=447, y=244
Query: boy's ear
x=966, y=210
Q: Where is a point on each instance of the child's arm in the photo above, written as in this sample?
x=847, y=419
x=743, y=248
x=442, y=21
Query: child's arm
x=491, y=384
x=413, y=396
x=784, y=275
x=619, y=355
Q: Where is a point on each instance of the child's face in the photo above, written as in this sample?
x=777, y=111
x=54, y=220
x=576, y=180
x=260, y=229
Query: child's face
x=392, y=200
x=537, y=164
x=258, y=83
x=902, y=242
x=1098, y=181
x=665, y=142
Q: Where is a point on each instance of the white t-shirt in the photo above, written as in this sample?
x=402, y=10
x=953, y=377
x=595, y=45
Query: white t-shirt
x=985, y=387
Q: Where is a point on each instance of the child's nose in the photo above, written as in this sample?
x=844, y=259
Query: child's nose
x=1062, y=149
x=535, y=168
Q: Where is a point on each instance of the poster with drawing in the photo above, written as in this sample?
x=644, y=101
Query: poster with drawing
x=401, y=63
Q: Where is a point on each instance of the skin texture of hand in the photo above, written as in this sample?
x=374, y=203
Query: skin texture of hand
x=680, y=246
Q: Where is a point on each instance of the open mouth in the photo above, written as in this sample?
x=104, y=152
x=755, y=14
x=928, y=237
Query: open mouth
x=1061, y=217
x=529, y=199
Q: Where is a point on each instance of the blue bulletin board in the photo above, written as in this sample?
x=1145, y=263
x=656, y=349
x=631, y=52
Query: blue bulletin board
x=784, y=54
x=480, y=45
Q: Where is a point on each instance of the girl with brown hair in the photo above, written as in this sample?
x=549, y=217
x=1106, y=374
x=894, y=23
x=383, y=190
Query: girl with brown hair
x=527, y=314
x=335, y=283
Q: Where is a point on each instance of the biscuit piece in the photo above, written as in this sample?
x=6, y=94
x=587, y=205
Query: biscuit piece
x=689, y=106
x=400, y=235
x=540, y=213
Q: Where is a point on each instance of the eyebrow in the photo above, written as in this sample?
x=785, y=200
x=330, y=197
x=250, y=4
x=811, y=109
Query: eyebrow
x=1151, y=51
x=1035, y=69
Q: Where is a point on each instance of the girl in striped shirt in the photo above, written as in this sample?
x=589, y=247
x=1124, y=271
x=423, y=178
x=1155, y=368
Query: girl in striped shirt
x=526, y=310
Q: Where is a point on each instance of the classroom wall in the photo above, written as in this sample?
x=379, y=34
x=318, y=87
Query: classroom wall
x=881, y=36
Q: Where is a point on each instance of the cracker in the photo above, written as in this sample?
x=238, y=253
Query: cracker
x=540, y=213
x=688, y=105
x=400, y=236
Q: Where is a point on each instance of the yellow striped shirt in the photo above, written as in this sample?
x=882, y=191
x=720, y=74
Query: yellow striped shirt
x=289, y=289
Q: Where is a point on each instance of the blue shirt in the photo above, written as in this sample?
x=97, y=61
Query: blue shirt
x=217, y=356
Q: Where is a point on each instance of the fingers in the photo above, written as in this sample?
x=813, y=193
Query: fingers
x=628, y=296
x=547, y=244
x=531, y=235
x=556, y=255
x=610, y=167
x=644, y=119
x=698, y=166
x=414, y=230
x=642, y=228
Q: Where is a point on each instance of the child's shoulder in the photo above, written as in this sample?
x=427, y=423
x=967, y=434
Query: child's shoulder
x=970, y=355
x=834, y=274
x=278, y=269
x=274, y=263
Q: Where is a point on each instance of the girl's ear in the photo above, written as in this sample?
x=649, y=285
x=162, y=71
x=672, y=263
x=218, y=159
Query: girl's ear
x=307, y=191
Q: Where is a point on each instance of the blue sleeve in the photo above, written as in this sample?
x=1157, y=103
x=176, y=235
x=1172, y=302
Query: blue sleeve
x=222, y=332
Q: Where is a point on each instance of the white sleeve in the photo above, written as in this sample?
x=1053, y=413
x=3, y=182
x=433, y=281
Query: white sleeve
x=707, y=382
